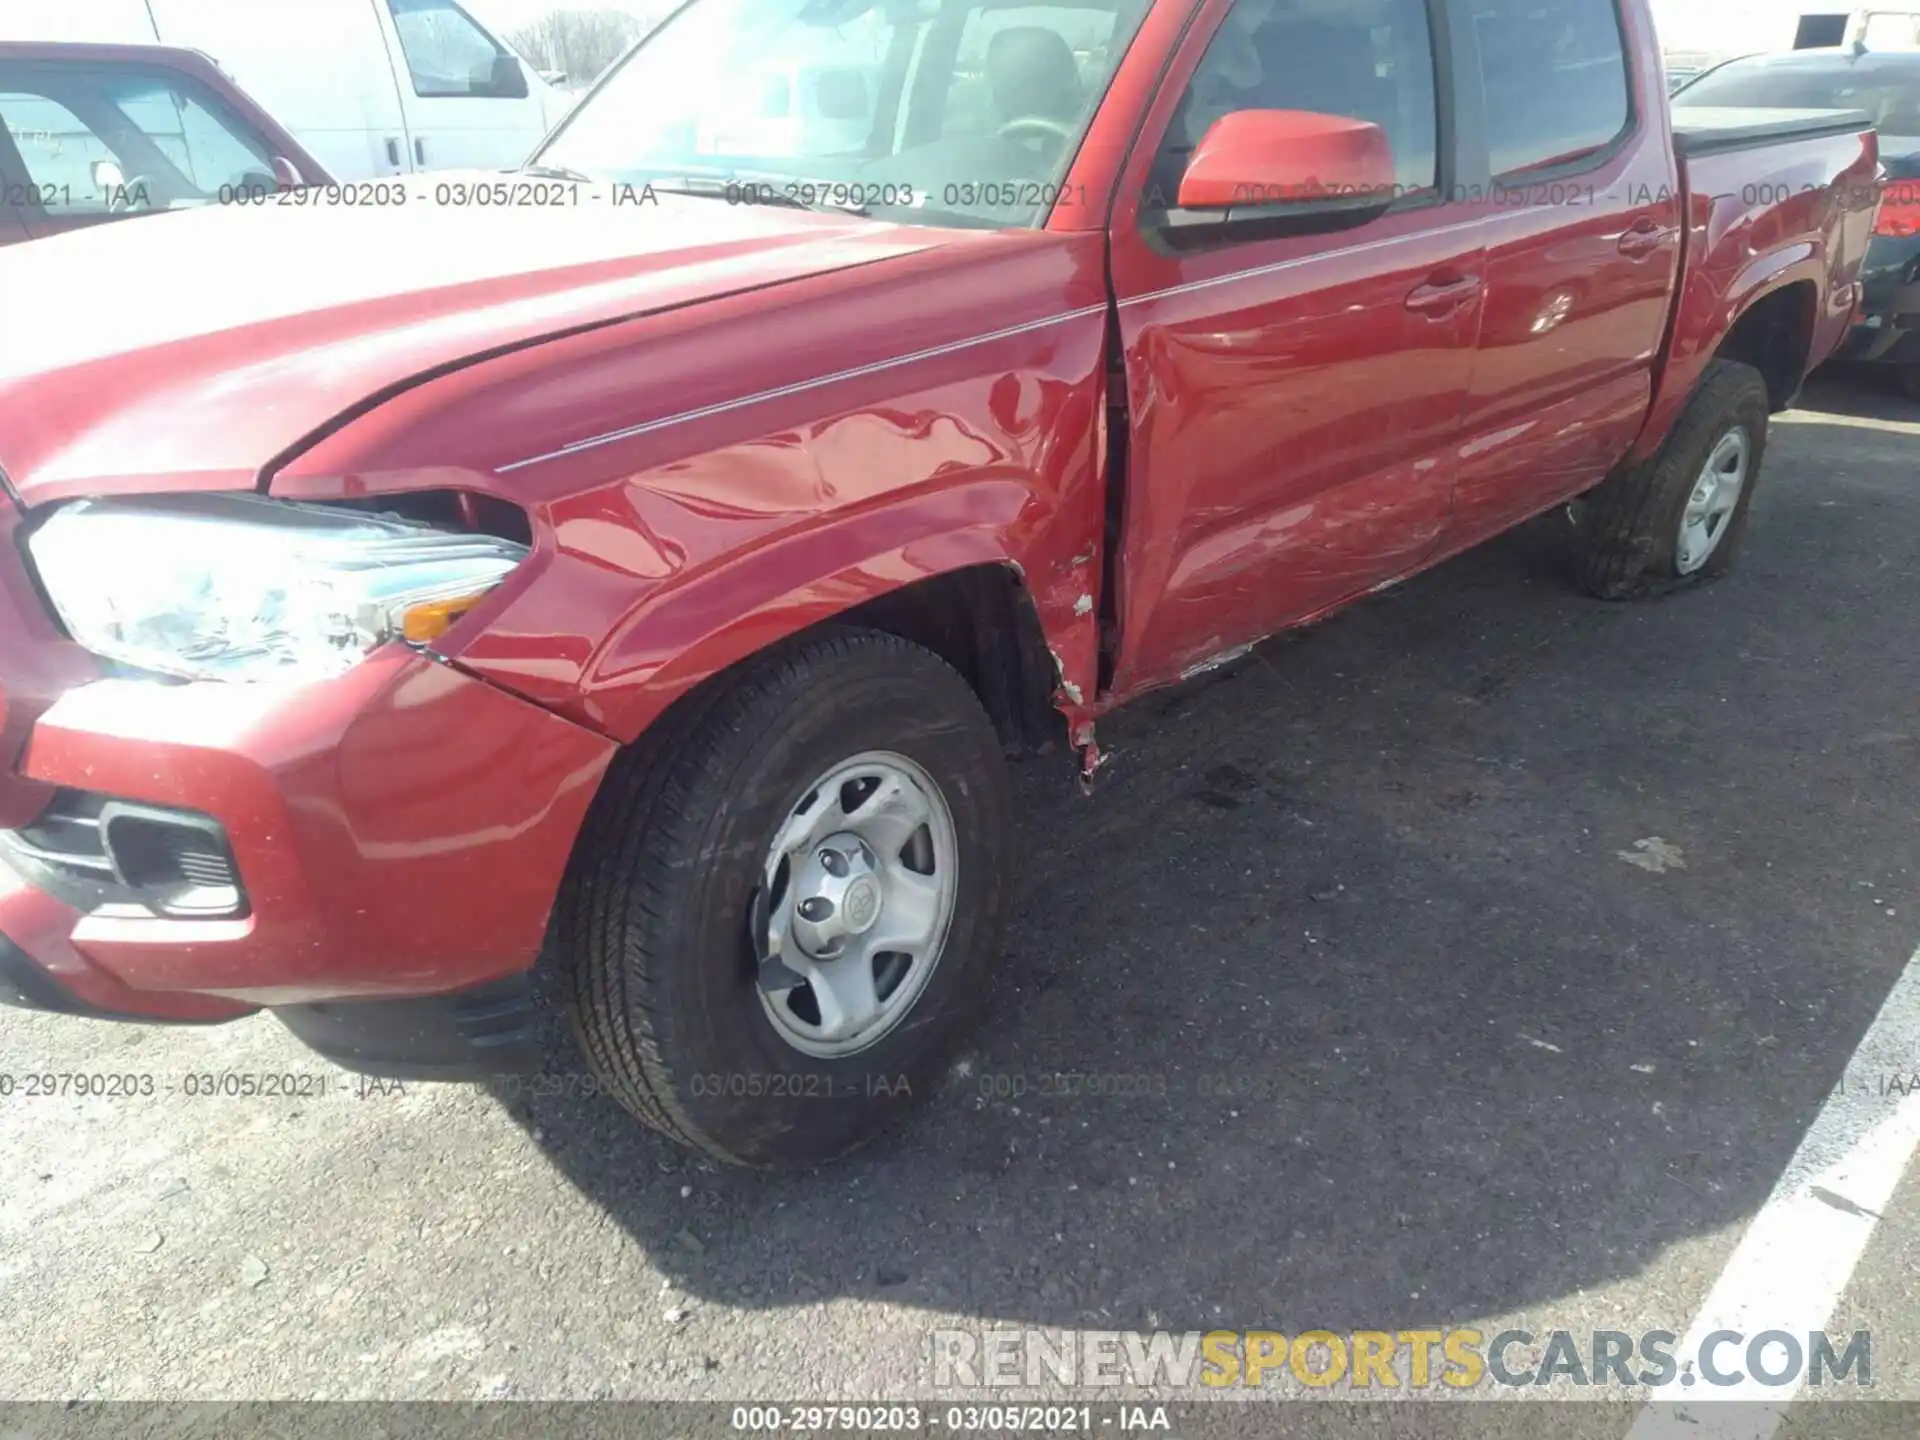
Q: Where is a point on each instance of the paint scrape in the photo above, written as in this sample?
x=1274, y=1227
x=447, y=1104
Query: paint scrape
x=1225, y=657
x=1091, y=755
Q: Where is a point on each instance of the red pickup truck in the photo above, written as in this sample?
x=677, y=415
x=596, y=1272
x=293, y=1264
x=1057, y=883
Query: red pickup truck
x=619, y=582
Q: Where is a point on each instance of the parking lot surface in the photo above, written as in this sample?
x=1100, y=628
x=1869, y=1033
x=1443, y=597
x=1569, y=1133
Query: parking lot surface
x=1477, y=957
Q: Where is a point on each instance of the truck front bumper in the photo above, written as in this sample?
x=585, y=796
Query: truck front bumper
x=373, y=857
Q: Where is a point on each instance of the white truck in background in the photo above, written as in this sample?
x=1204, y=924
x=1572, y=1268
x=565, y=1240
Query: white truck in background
x=1887, y=27
x=370, y=87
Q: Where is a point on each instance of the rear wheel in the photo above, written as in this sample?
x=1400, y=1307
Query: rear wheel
x=787, y=903
x=1679, y=518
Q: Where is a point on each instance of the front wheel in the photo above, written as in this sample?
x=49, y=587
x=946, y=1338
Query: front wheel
x=1679, y=518
x=787, y=903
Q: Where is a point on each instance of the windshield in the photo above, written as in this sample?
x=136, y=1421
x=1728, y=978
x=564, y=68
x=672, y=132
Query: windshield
x=1891, y=96
x=952, y=112
x=98, y=141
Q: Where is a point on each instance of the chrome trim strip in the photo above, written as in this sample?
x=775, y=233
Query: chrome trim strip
x=1408, y=238
x=798, y=388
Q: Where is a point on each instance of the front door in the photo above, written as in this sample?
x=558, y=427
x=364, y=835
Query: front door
x=1295, y=399
x=469, y=102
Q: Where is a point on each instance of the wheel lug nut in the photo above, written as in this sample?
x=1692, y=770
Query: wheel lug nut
x=816, y=909
x=834, y=863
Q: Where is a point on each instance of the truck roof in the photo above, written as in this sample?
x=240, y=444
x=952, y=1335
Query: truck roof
x=112, y=53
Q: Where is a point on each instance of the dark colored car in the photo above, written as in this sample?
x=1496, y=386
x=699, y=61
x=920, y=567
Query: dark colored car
x=1887, y=86
x=91, y=133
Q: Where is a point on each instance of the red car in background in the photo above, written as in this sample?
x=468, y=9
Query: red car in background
x=91, y=133
x=622, y=579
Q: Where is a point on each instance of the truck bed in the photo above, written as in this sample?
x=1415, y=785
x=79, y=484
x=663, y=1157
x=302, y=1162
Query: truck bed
x=1778, y=203
x=1708, y=129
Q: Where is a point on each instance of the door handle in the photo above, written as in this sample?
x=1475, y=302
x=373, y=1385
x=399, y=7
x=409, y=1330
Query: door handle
x=419, y=151
x=1643, y=238
x=393, y=151
x=1443, y=293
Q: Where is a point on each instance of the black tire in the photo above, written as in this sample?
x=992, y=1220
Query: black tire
x=1630, y=524
x=651, y=927
x=1907, y=381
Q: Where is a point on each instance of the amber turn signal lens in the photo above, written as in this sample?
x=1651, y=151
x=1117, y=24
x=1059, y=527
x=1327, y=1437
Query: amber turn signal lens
x=434, y=618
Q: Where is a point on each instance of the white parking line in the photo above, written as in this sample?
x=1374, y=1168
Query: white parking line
x=1792, y=1265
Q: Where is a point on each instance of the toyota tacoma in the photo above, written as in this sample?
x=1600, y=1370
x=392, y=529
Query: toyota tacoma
x=622, y=580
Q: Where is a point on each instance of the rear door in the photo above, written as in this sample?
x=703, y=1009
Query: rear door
x=100, y=141
x=469, y=101
x=1582, y=219
x=1295, y=399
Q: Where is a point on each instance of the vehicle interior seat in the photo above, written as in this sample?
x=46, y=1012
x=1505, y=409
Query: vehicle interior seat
x=1032, y=75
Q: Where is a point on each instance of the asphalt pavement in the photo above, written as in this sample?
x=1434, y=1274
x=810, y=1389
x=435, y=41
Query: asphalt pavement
x=1478, y=957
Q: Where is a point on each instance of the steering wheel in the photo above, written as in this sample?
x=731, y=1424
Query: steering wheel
x=1036, y=124
x=134, y=194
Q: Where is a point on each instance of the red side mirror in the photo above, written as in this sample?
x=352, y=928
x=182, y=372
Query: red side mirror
x=1288, y=157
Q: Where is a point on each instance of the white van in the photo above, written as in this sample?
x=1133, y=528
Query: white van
x=794, y=107
x=370, y=87
x=1894, y=27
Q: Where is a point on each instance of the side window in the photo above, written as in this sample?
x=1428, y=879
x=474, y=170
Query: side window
x=173, y=144
x=1371, y=60
x=205, y=148
x=450, y=56
x=1555, y=77
x=57, y=151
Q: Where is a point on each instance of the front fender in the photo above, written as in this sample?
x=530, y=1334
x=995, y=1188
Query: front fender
x=702, y=484
x=684, y=634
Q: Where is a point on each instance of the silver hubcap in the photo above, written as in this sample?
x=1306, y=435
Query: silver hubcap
x=858, y=898
x=1709, y=512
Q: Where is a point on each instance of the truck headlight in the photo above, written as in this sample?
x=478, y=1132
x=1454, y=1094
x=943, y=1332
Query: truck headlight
x=239, y=587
